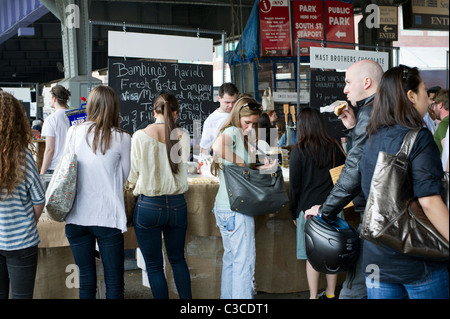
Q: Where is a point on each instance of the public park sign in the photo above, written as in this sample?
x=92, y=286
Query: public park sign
x=339, y=22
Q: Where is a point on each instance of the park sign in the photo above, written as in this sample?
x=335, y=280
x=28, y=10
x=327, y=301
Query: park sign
x=322, y=20
x=339, y=22
x=308, y=23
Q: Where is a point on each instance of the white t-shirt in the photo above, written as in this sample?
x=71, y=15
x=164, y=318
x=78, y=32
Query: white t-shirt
x=211, y=128
x=99, y=200
x=55, y=125
x=432, y=125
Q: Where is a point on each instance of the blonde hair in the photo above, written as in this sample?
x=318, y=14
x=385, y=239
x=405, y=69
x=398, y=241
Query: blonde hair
x=243, y=107
x=240, y=109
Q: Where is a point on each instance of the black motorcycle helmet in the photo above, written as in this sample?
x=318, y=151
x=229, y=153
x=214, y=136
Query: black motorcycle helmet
x=332, y=247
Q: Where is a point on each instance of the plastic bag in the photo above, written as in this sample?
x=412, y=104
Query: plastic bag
x=267, y=100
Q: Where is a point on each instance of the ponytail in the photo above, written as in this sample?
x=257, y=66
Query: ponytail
x=166, y=104
x=61, y=93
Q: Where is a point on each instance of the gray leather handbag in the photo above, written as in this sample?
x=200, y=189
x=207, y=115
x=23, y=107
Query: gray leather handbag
x=254, y=193
x=393, y=217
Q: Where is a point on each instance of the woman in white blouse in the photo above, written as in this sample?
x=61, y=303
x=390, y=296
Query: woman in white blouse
x=98, y=214
x=159, y=156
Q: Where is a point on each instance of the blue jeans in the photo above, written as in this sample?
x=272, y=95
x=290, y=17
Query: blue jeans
x=163, y=215
x=238, y=263
x=18, y=269
x=111, y=245
x=435, y=286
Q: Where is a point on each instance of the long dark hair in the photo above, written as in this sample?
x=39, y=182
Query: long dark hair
x=166, y=104
x=391, y=104
x=265, y=125
x=313, y=139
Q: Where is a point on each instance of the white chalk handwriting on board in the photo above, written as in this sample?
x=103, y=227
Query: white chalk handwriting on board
x=138, y=84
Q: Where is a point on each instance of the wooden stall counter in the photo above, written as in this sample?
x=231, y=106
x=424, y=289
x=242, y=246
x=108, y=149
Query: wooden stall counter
x=56, y=276
x=277, y=269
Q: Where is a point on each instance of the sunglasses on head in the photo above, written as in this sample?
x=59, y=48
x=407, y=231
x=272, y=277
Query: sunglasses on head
x=252, y=106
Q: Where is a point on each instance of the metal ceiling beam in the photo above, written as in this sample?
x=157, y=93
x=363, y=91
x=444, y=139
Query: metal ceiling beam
x=189, y=2
x=186, y=13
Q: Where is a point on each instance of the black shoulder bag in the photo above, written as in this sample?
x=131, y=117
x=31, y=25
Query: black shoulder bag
x=253, y=192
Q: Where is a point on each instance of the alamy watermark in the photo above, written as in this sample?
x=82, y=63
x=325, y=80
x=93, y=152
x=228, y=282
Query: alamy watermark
x=72, y=16
x=373, y=279
x=73, y=279
x=373, y=19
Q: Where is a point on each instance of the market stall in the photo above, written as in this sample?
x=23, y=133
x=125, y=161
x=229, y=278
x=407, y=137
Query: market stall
x=277, y=269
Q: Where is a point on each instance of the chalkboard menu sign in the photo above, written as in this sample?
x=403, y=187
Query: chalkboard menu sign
x=138, y=83
x=327, y=87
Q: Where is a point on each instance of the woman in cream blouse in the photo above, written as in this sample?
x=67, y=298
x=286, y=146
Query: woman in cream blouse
x=159, y=156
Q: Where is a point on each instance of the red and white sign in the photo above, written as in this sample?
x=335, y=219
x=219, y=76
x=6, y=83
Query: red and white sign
x=308, y=23
x=275, y=28
x=339, y=23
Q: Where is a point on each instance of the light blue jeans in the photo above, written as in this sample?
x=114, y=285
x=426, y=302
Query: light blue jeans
x=238, y=263
x=434, y=286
